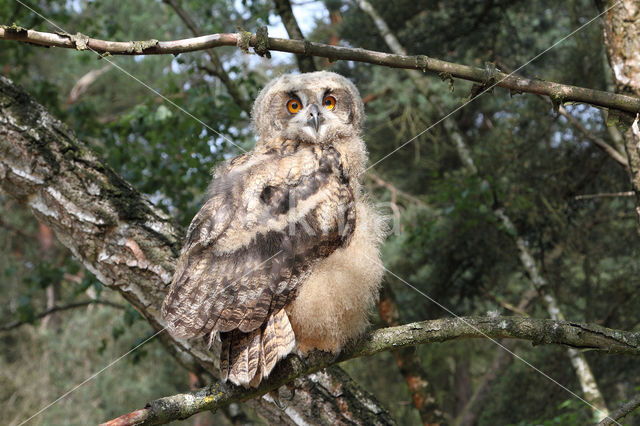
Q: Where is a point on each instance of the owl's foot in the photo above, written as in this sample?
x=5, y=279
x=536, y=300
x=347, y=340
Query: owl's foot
x=283, y=393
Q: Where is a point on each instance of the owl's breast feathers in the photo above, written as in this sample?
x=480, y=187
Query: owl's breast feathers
x=271, y=215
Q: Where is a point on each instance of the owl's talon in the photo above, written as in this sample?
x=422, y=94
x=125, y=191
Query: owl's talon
x=292, y=393
x=277, y=399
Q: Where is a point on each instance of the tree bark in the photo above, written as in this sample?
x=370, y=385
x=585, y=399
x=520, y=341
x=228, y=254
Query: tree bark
x=620, y=27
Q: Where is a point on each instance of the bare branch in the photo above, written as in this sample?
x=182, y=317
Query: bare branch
x=599, y=142
x=84, y=82
x=61, y=308
x=621, y=412
x=423, y=63
x=394, y=190
x=538, y=331
x=604, y=195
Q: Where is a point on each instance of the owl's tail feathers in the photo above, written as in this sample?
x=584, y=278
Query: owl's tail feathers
x=247, y=358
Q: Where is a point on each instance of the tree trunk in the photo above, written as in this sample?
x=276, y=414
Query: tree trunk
x=620, y=27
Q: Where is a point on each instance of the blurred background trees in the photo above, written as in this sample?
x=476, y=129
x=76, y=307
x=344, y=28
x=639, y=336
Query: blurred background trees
x=531, y=161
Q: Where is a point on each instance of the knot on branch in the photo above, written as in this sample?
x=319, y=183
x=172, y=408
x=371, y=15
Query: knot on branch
x=244, y=40
x=262, y=42
x=307, y=48
x=80, y=40
x=488, y=84
x=422, y=62
x=16, y=29
x=140, y=46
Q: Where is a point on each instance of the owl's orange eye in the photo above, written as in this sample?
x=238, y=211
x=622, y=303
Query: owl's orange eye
x=294, y=106
x=329, y=102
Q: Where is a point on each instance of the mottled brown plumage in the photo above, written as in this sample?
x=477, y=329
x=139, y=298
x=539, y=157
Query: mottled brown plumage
x=274, y=220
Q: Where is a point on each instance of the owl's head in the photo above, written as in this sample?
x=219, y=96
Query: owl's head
x=317, y=107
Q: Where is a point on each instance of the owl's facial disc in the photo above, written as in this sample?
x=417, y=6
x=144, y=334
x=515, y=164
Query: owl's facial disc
x=316, y=116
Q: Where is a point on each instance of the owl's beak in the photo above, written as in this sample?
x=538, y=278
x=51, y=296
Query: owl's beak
x=315, y=118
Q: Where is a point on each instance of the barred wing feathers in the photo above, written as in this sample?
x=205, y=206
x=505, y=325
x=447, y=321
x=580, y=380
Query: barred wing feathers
x=269, y=217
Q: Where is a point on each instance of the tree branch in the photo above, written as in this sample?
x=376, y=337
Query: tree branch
x=604, y=195
x=621, y=412
x=538, y=331
x=61, y=308
x=565, y=93
x=599, y=142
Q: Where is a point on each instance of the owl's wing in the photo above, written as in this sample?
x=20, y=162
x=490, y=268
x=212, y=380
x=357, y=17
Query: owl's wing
x=267, y=221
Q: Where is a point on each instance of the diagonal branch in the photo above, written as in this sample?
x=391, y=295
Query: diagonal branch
x=621, y=412
x=538, y=331
x=422, y=63
x=61, y=308
x=598, y=141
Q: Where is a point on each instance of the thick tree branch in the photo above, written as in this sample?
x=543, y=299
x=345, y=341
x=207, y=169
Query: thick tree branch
x=120, y=236
x=559, y=92
x=538, y=331
x=61, y=308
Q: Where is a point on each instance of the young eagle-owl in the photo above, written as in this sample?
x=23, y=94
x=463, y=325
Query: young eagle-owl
x=283, y=255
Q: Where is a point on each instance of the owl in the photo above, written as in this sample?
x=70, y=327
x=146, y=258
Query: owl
x=284, y=254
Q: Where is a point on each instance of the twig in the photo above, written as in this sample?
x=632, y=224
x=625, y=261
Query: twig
x=604, y=195
x=394, y=190
x=424, y=63
x=538, y=331
x=621, y=412
x=601, y=143
x=84, y=82
x=55, y=309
